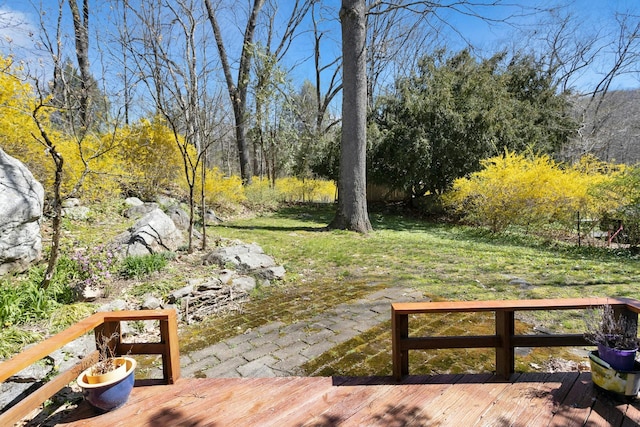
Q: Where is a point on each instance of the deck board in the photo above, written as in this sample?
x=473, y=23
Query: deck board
x=560, y=399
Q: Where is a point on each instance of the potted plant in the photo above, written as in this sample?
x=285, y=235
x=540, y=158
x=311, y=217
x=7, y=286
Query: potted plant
x=106, y=385
x=613, y=366
x=615, y=336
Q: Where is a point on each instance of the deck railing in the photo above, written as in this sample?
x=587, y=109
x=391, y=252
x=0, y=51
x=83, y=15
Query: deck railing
x=504, y=341
x=104, y=324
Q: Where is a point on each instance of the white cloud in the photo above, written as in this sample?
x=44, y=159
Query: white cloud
x=17, y=32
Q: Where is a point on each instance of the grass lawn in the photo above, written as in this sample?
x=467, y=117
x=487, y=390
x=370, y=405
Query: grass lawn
x=445, y=262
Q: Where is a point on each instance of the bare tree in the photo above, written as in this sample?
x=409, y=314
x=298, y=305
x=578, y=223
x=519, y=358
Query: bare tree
x=176, y=79
x=271, y=87
x=238, y=88
x=570, y=52
x=81, y=33
x=64, y=103
x=58, y=161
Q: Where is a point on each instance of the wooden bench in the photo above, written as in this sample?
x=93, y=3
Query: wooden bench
x=504, y=341
x=105, y=324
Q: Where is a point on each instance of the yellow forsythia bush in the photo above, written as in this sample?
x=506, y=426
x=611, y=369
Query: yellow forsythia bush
x=87, y=164
x=150, y=156
x=221, y=190
x=293, y=189
x=17, y=127
x=262, y=193
x=515, y=189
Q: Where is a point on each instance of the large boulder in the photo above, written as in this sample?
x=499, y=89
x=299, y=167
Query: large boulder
x=155, y=232
x=21, y=202
x=247, y=258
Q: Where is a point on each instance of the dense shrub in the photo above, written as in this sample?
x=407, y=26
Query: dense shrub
x=621, y=204
x=515, y=189
x=222, y=190
x=150, y=156
x=294, y=189
x=290, y=189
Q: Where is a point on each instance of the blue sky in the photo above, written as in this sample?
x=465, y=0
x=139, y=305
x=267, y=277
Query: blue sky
x=21, y=20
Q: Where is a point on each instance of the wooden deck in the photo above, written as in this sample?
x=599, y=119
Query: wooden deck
x=555, y=399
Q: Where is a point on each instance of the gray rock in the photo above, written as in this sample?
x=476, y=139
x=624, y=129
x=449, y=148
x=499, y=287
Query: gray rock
x=33, y=373
x=277, y=272
x=133, y=201
x=151, y=303
x=78, y=213
x=226, y=276
x=254, y=261
x=137, y=211
x=230, y=254
x=115, y=305
x=153, y=233
x=12, y=392
x=213, y=283
x=71, y=202
x=21, y=202
x=166, y=201
x=211, y=218
x=88, y=293
x=179, y=217
x=245, y=283
x=181, y=293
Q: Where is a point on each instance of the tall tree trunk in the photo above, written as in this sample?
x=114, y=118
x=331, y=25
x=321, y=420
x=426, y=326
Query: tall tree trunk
x=238, y=92
x=352, y=186
x=81, y=32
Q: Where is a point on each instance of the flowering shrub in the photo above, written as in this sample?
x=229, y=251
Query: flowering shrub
x=94, y=267
x=309, y=190
x=515, y=189
x=222, y=190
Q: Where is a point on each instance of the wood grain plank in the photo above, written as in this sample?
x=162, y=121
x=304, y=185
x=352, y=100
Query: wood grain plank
x=576, y=407
x=560, y=384
x=562, y=399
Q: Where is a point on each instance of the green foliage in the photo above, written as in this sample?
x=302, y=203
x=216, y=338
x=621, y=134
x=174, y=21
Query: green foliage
x=13, y=338
x=136, y=267
x=25, y=301
x=458, y=110
x=515, y=189
x=622, y=204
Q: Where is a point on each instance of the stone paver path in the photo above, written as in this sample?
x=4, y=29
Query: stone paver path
x=276, y=349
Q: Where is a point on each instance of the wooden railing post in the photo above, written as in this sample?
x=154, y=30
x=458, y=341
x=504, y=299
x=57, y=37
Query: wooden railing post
x=505, y=352
x=171, y=354
x=400, y=357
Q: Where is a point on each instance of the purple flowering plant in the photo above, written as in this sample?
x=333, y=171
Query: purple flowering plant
x=94, y=266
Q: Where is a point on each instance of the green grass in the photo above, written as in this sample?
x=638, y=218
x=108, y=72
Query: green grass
x=327, y=268
x=444, y=262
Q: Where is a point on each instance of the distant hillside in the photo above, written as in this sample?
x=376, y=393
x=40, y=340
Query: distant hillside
x=610, y=127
